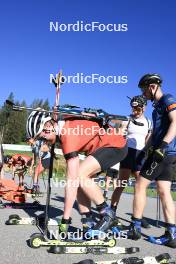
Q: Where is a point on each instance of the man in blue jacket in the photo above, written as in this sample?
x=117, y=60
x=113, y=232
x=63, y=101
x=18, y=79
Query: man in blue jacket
x=159, y=165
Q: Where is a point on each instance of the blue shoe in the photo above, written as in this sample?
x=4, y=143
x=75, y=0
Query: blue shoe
x=168, y=239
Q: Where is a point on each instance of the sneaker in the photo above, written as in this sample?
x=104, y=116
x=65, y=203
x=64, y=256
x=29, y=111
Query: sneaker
x=168, y=239
x=134, y=232
x=145, y=223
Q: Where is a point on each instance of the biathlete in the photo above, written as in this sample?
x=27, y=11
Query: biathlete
x=19, y=164
x=40, y=160
x=103, y=150
x=137, y=138
x=160, y=163
x=43, y=164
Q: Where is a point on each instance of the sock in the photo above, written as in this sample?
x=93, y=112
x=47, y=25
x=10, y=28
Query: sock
x=136, y=222
x=101, y=206
x=66, y=221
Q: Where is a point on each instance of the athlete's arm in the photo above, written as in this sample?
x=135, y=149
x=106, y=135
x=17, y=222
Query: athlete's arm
x=171, y=133
x=71, y=186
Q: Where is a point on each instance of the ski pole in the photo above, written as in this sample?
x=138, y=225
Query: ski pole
x=51, y=164
x=158, y=211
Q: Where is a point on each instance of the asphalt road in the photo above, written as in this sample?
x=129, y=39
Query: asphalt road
x=14, y=239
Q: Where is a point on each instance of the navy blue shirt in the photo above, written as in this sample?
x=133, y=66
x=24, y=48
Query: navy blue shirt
x=161, y=122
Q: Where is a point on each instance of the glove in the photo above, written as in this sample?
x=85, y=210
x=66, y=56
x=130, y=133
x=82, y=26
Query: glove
x=140, y=157
x=158, y=154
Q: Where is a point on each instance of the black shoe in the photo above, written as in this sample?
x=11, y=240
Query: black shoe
x=145, y=223
x=134, y=233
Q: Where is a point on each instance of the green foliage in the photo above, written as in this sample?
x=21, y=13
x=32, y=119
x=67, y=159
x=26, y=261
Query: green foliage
x=13, y=123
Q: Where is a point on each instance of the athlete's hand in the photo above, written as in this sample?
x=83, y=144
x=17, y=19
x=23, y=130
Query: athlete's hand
x=159, y=153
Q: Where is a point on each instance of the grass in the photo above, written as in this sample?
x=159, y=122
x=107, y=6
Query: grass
x=150, y=192
x=13, y=152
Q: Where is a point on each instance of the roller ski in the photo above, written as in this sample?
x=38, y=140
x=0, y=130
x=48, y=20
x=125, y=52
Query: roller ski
x=34, y=205
x=37, y=220
x=96, y=250
x=168, y=239
x=162, y=258
x=37, y=240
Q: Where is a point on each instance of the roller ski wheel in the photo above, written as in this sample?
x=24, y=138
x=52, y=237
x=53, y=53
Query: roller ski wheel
x=36, y=240
x=86, y=261
x=13, y=220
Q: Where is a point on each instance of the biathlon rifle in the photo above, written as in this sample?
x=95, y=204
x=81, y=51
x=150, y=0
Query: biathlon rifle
x=72, y=111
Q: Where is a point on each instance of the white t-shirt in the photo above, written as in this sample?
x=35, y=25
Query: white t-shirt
x=136, y=134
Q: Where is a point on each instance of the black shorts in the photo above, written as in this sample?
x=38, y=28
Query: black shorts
x=45, y=163
x=130, y=161
x=162, y=171
x=112, y=173
x=108, y=157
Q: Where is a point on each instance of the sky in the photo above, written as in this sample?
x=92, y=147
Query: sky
x=30, y=52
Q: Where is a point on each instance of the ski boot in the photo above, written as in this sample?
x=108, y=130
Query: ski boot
x=134, y=231
x=145, y=223
x=118, y=227
x=63, y=228
x=88, y=223
x=106, y=221
x=168, y=239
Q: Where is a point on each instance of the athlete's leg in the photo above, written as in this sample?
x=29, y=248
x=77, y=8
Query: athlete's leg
x=140, y=196
x=87, y=168
x=107, y=184
x=164, y=189
x=124, y=175
x=38, y=170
